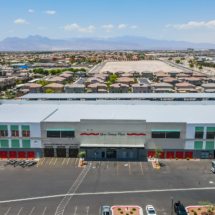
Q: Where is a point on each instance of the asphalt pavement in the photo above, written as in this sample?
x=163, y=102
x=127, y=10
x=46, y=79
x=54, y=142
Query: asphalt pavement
x=38, y=190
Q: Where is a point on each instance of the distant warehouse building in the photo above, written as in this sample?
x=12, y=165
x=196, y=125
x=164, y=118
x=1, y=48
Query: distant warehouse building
x=106, y=130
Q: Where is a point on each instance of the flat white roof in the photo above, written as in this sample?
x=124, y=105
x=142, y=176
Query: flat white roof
x=27, y=111
x=24, y=113
x=115, y=95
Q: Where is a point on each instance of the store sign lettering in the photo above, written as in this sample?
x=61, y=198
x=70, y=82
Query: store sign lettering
x=113, y=134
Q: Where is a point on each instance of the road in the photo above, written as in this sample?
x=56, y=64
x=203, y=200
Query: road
x=97, y=68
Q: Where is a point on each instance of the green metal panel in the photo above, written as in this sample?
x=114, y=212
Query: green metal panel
x=209, y=145
x=210, y=129
x=165, y=130
x=199, y=129
x=25, y=128
x=15, y=143
x=198, y=145
x=14, y=127
x=3, y=127
x=26, y=144
x=60, y=130
x=4, y=143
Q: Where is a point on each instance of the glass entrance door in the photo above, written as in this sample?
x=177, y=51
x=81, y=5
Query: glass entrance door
x=111, y=153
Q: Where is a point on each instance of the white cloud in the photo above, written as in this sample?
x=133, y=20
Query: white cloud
x=50, y=12
x=10, y=31
x=135, y=26
x=167, y=25
x=122, y=26
x=21, y=21
x=61, y=26
x=71, y=27
x=30, y=11
x=91, y=27
x=108, y=30
x=191, y=25
x=210, y=24
x=77, y=27
x=42, y=28
x=107, y=26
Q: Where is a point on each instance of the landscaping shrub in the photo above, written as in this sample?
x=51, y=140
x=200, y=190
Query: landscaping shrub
x=199, y=209
x=134, y=209
x=121, y=212
x=195, y=213
x=176, y=158
x=208, y=211
x=127, y=214
x=188, y=158
x=192, y=210
x=119, y=209
x=131, y=212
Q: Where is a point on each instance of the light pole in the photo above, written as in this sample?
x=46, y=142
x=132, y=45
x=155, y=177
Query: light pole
x=172, y=207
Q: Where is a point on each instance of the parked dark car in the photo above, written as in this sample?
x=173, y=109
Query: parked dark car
x=179, y=209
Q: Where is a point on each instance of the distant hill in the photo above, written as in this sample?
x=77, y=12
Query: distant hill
x=38, y=43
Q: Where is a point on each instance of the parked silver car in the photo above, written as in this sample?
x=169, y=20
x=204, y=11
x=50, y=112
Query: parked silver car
x=106, y=210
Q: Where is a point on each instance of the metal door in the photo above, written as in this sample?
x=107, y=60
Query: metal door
x=49, y=152
x=73, y=153
x=180, y=155
x=3, y=154
x=169, y=154
x=151, y=154
x=31, y=154
x=188, y=154
x=61, y=152
x=12, y=154
x=22, y=154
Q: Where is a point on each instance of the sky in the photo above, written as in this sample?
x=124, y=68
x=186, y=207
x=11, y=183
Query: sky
x=180, y=20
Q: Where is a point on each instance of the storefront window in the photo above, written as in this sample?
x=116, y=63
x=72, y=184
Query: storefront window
x=53, y=133
x=67, y=134
x=158, y=134
x=172, y=134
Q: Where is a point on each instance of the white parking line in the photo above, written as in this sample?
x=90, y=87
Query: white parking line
x=31, y=211
x=100, y=210
x=88, y=210
x=75, y=210
x=8, y=211
x=111, y=192
x=44, y=211
x=20, y=211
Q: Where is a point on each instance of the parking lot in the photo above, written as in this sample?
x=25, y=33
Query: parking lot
x=40, y=189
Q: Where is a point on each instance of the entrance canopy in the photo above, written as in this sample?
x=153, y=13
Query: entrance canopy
x=102, y=145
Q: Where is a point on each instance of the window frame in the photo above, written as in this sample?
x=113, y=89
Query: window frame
x=61, y=134
x=52, y=136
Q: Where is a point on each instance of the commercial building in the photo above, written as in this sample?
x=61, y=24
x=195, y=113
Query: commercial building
x=107, y=130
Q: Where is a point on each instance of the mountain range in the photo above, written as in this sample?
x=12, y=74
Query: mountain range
x=38, y=43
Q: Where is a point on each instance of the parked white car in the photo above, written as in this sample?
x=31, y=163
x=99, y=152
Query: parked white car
x=150, y=210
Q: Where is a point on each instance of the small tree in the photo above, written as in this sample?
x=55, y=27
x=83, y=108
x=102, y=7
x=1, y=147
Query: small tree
x=191, y=65
x=177, y=61
x=19, y=82
x=200, y=67
x=169, y=58
x=82, y=155
x=158, y=152
x=135, y=80
x=209, y=207
x=49, y=91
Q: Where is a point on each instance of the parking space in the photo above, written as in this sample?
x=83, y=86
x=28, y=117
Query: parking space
x=58, y=162
x=106, y=183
